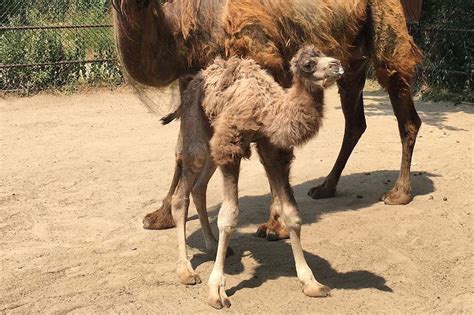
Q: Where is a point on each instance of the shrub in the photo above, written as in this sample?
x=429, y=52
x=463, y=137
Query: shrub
x=445, y=34
x=56, y=45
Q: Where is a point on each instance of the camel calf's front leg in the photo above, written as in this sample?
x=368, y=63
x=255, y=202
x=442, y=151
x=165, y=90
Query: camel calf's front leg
x=226, y=222
x=277, y=165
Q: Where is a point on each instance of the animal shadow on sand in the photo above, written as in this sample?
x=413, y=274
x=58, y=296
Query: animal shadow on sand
x=275, y=260
x=431, y=113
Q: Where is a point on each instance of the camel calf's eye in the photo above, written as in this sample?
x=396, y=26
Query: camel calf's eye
x=308, y=66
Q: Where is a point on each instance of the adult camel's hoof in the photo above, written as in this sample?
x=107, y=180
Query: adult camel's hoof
x=322, y=192
x=261, y=231
x=315, y=289
x=272, y=231
x=160, y=219
x=396, y=197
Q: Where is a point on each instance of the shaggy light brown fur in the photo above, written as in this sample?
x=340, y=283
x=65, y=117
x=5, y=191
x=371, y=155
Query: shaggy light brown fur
x=243, y=103
x=160, y=43
x=226, y=107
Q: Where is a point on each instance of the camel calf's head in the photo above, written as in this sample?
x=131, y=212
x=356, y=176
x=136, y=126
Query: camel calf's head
x=310, y=64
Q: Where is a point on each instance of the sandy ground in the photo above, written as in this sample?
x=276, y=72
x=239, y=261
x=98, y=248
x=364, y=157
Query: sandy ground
x=79, y=172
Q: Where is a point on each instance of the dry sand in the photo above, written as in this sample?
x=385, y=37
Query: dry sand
x=79, y=172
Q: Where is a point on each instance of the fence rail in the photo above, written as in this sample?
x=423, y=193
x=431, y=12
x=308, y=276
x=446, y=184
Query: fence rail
x=55, y=63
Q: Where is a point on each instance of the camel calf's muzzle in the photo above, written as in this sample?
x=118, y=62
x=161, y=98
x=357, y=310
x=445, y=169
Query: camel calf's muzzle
x=335, y=69
x=327, y=71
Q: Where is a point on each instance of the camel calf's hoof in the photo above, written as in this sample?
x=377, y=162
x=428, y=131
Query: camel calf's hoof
x=186, y=274
x=316, y=290
x=322, y=192
x=160, y=219
x=190, y=279
x=219, y=303
x=219, y=300
x=396, y=197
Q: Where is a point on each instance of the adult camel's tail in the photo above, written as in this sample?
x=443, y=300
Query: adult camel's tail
x=394, y=52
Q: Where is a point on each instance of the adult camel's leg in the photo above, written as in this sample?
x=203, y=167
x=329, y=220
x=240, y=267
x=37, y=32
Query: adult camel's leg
x=277, y=163
x=161, y=218
x=226, y=222
x=350, y=90
x=408, y=125
x=273, y=230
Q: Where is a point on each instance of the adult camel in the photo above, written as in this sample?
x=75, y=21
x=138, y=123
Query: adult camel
x=160, y=42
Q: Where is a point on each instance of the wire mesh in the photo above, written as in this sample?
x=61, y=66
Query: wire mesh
x=445, y=34
x=56, y=43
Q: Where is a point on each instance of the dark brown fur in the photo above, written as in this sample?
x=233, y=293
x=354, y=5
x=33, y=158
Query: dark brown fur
x=160, y=43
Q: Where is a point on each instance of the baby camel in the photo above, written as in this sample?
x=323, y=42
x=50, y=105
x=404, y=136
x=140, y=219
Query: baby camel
x=226, y=107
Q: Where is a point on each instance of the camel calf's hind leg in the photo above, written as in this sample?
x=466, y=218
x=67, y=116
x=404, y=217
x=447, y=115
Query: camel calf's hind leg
x=199, y=199
x=179, y=207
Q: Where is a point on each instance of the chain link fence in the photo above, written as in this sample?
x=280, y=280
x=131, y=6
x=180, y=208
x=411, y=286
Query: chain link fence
x=55, y=44
x=445, y=34
x=60, y=43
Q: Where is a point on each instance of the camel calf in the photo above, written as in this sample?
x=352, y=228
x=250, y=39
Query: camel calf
x=225, y=108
